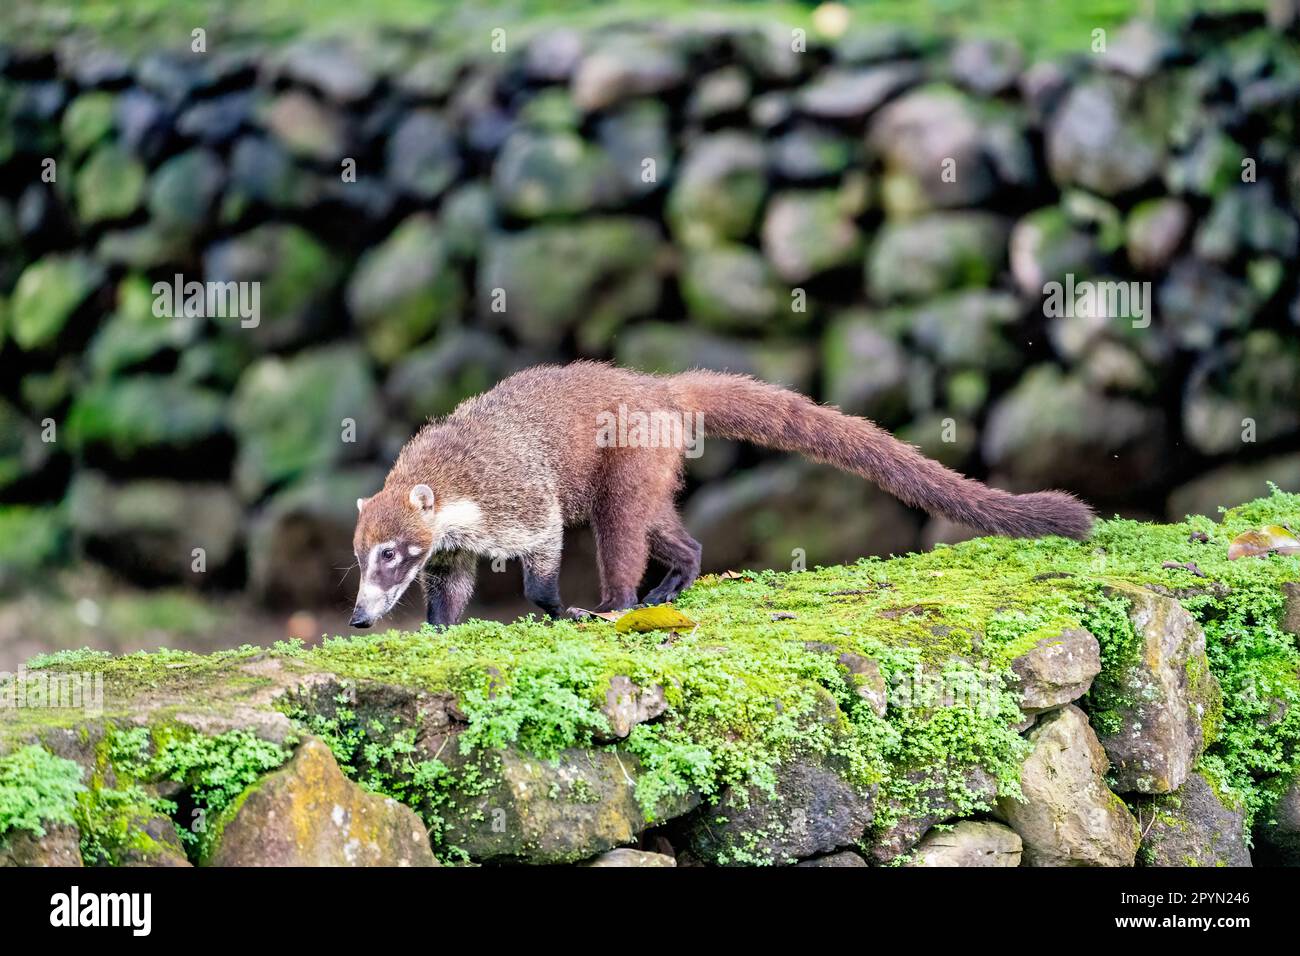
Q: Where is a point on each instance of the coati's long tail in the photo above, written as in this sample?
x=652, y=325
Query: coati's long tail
x=743, y=408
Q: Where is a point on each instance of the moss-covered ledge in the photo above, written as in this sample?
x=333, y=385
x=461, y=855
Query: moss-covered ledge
x=803, y=716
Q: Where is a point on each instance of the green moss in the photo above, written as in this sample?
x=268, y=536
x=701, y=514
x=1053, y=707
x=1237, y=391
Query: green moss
x=758, y=680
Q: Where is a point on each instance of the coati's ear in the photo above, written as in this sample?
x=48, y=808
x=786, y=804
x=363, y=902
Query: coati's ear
x=361, y=503
x=422, y=498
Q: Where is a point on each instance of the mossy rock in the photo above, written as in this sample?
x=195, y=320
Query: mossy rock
x=404, y=289
x=545, y=281
x=453, y=723
x=309, y=814
x=127, y=416
x=110, y=186
x=48, y=293
x=301, y=414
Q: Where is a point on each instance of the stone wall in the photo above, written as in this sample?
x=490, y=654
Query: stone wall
x=1129, y=700
x=873, y=220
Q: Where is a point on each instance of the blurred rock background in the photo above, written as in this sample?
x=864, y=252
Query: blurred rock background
x=663, y=191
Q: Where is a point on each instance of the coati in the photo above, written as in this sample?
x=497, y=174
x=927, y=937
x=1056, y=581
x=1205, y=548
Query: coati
x=506, y=472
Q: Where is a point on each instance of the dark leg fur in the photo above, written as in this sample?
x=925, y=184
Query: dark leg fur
x=542, y=581
x=448, y=581
x=672, y=545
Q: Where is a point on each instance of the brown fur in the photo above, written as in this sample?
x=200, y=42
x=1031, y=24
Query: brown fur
x=526, y=454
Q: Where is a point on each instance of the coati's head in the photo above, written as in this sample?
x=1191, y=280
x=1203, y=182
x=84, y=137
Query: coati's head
x=393, y=540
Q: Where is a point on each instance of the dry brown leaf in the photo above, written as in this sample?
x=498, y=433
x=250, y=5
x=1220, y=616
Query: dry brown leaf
x=1273, y=539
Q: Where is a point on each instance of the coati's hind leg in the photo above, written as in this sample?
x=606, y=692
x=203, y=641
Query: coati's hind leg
x=542, y=578
x=620, y=525
x=672, y=545
x=448, y=582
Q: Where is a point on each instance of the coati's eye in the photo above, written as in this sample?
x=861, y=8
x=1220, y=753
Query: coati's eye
x=387, y=554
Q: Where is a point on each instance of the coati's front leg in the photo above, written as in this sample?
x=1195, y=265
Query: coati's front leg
x=542, y=578
x=448, y=581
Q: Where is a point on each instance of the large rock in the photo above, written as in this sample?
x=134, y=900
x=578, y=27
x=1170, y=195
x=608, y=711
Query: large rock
x=184, y=191
x=719, y=189
x=127, y=416
x=596, y=271
x=1069, y=817
x=942, y=150
x=1198, y=302
x=967, y=329
x=306, y=127
x=22, y=453
x=296, y=538
x=133, y=335
x=765, y=516
x=553, y=174
x=1232, y=485
x=1100, y=140
x=1051, y=430
x=808, y=233
x=1156, y=705
x=814, y=810
x=88, y=121
x=422, y=157
x=1246, y=220
x=730, y=286
x=432, y=380
x=152, y=527
x=1197, y=825
x=866, y=371
x=851, y=94
x=532, y=810
x=291, y=416
x=969, y=843
x=1247, y=391
x=1154, y=231
x=295, y=274
x=332, y=67
x=60, y=846
x=987, y=66
x=309, y=814
x=635, y=133
x=627, y=704
x=626, y=66
x=110, y=186
x=1057, y=669
x=48, y=293
x=404, y=289
x=941, y=251
x=1279, y=826
x=811, y=152
x=1045, y=246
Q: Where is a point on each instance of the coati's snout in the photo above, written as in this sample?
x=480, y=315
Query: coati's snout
x=392, y=542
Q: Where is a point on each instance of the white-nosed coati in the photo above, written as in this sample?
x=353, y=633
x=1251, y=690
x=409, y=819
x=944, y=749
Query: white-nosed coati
x=505, y=473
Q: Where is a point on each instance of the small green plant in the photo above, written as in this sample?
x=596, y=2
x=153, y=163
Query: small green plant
x=37, y=788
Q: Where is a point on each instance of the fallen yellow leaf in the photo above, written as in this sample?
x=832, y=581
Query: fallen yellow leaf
x=661, y=617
